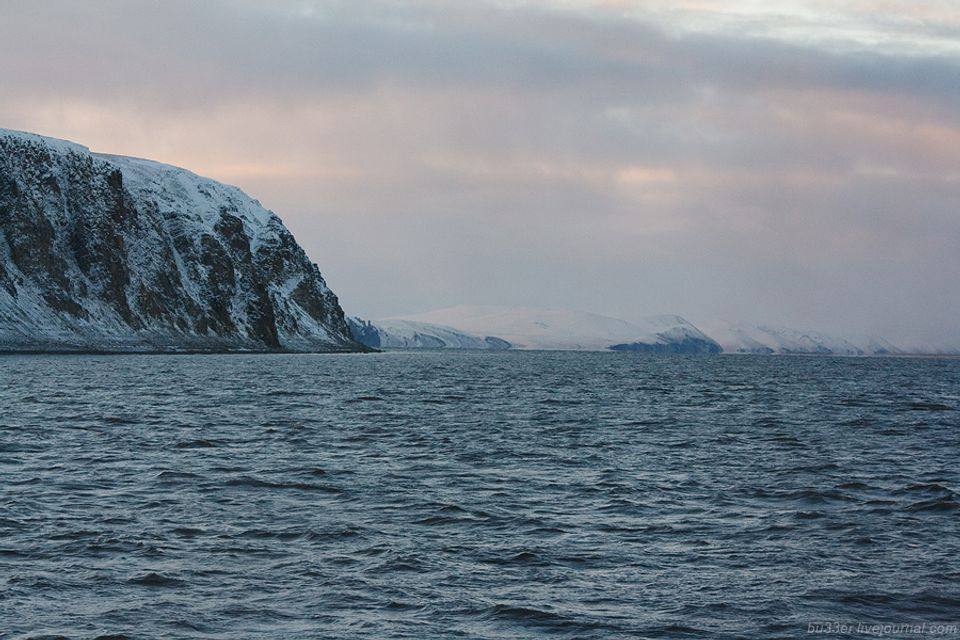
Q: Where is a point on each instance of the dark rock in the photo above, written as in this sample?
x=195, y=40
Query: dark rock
x=497, y=343
x=364, y=332
x=686, y=345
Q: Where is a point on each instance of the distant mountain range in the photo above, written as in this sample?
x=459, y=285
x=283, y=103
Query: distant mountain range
x=491, y=327
x=530, y=328
x=409, y=334
x=748, y=338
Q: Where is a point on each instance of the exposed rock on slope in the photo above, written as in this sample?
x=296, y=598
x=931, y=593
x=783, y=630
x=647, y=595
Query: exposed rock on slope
x=107, y=253
x=408, y=334
x=681, y=337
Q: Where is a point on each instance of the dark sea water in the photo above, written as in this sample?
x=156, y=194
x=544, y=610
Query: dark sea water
x=476, y=495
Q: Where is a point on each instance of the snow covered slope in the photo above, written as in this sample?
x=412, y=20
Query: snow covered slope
x=408, y=334
x=109, y=253
x=928, y=348
x=748, y=338
x=530, y=328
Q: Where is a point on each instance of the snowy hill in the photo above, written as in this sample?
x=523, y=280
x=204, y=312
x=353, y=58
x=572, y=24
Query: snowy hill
x=748, y=338
x=530, y=328
x=108, y=253
x=408, y=334
x=939, y=348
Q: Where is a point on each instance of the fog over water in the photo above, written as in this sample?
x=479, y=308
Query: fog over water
x=793, y=165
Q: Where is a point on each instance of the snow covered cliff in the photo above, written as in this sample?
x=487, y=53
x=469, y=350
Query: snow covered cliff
x=107, y=253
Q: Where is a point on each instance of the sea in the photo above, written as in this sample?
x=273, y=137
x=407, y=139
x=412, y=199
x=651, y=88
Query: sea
x=472, y=494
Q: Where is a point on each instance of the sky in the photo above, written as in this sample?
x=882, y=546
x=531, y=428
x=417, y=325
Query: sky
x=792, y=162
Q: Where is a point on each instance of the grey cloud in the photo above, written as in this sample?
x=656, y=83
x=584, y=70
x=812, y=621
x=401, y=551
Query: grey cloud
x=224, y=50
x=431, y=153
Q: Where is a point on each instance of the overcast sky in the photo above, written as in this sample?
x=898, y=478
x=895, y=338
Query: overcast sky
x=793, y=162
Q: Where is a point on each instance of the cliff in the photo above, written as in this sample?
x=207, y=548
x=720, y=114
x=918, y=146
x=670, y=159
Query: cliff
x=108, y=253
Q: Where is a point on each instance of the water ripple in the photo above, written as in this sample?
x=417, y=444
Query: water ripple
x=474, y=495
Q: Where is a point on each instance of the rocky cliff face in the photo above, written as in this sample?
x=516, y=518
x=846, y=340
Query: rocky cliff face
x=108, y=253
